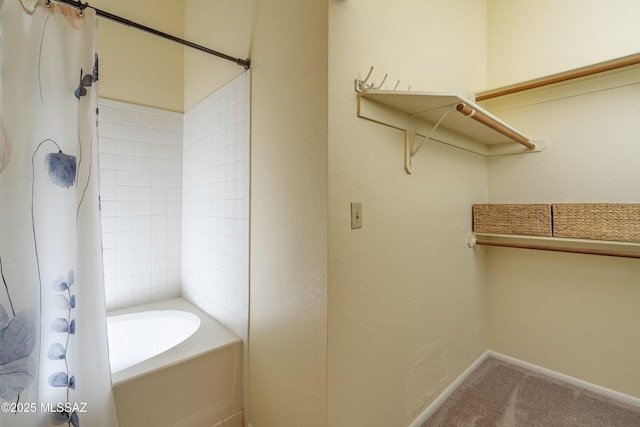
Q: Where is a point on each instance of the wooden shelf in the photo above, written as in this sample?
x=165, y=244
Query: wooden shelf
x=433, y=116
x=557, y=244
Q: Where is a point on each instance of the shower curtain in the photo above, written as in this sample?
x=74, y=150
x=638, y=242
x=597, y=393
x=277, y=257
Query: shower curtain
x=54, y=367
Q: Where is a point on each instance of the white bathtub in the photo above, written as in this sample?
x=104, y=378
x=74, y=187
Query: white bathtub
x=174, y=365
x=139, y=336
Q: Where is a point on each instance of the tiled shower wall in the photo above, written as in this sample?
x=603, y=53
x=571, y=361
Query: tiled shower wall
x=215, y=251
x=175, y=205
x=141, y=198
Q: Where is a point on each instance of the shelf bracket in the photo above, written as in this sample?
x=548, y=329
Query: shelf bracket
x=409, y=150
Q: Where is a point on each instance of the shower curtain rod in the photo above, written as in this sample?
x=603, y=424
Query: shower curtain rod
x=245, y=63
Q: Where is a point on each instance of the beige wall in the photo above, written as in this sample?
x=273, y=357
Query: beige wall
x=366, y=327
x=576, y=314
x=221, y=25
x=406, y=296
x=288, y=296
x=530, y=39
x=138, y=67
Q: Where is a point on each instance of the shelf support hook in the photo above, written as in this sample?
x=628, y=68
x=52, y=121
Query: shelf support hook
x=382, y=82
x=410, y=150
x=362, y=84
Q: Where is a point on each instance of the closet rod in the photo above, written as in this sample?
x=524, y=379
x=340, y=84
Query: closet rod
x=601, y=67
x=489, y=122
x=559, y=249
x=245, y=63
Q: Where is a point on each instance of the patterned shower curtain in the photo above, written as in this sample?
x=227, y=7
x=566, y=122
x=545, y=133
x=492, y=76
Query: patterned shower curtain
x=54, y=367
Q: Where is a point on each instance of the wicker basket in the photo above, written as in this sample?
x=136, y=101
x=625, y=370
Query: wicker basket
x=531, y=220
x=597, y=221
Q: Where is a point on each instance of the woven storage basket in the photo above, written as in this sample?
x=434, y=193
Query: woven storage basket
x=597, y=221
x=531, y=220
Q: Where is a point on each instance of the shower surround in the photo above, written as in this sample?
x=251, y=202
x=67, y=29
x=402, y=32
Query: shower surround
x=175, y=204
x=141, y=198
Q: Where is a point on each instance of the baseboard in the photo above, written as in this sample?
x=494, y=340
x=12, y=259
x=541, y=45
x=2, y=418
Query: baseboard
x=603, y=391
x=433, y=407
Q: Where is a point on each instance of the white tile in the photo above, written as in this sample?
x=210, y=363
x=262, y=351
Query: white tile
x=125, y=273
x=173, y=138
x=143, y=237
x=160, y=251
x=160, y=293
x=160, y=165
x=109, y=241
x=160, y=136
x=143, y=193
x=142, y=252
x=175, y=166
x=174, y=263
x=125, y=192
x=111, y=302
x=127, y=132
x=175, y=153
x=126, y=162
x=144, y=134
x=125, y=223
x=110, y=272
x=143, y=178
x=126, y=147
x=108, y=129
x=160, y=208
x=159, y=179
x=125, y=177
x=151, y=120
x=143, y=267
x=159, y=194
x=159, y=236
x=175, y=124
x=142, y=297
x=142, y=281
x=125, y=252
x=108, y=161
x=107, y=113
x=144, y=222
x=124, y=300
x=126, y=116
x=143, y=208
x=174, y=290
x=143, y=148
x=109, y=177
x=108, y=192
x=143, y=163
x=109, y=256
x=126, y=208
x=159, y=265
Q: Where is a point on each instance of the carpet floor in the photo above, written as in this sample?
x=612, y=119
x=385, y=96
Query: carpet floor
x=499, y=394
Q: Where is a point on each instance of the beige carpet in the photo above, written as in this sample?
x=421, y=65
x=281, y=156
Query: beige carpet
x=501, y=394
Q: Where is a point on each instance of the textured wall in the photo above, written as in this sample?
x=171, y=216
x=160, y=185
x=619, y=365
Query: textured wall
x=406, y=295
x=288, y=310
x=221, y=25
x=527, y=40
x=138, y=67
x=576, y=314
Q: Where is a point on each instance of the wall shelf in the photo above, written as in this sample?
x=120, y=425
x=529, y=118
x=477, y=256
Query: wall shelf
x=557, y=244
x=448, y=118
x=609, y=229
